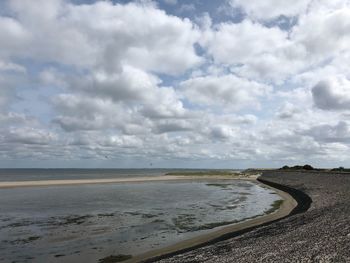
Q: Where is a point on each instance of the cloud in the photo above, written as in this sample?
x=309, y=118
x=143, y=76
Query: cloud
x=166, y=126
x=255, y=51
x=270, y=9
x=4, y=97
x=170, y=2
x=12, y=119
x=323, y=32
x=135, y=88
x=288, y=111
x=11, y=67
x=105, y=141
x=185, y=8
x=101, y=35
x=83, y=112
x=265, y=85
x=131, y=84
x=222, y=132
x=52, y=77
x=13, y=36
x=330, y=133
x=318, y=39
x=87, y=113
x=28, y=136
x=235, y=43
x=9, y=81
x=224, y=91
x=332, y=94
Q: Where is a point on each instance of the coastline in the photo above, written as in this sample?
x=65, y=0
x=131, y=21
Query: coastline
x=221, y=233
x=214, y=236
x=287, y=207
x=317, y=230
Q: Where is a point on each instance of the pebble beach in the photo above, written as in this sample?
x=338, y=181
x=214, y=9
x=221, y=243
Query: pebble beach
x=318, y=230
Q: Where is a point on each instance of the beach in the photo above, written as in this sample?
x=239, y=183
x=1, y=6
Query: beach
x=317, y=231
x=311, y=225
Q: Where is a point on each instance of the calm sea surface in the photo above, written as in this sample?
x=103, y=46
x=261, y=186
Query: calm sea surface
x=90, y=222
x=75, y=174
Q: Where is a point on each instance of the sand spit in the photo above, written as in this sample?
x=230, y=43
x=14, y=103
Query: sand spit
x=318, y=229
x=121, y=180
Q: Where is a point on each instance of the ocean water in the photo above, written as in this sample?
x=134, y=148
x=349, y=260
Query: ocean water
x=90, y=222
x=11, y=175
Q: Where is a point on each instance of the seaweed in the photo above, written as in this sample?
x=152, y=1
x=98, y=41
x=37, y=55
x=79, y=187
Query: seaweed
x=105, y=214
x=223, y=186
x=114, y=259
x=24, y=240
x=77, y=220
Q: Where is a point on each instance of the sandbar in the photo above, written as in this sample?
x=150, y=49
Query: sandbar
x=40, y=183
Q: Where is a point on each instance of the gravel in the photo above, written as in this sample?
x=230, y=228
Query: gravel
x=320, y=234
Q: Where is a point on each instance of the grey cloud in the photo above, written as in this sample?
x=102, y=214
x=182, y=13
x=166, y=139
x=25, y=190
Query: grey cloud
x=5, y=94
x=170, y=2
x=8, y=88
x=328, y=95
x=166, y=126
x=330, y=133
x=221, y=133
x=12, y=119
x=130, y=85
x=29, y=136
x=136, y=89
x=228, y=90
x=70, y=124
x=288, y=111
x=80, y=112
x=105, y=141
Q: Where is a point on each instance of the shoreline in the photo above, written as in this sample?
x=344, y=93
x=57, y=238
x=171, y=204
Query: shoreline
x=317, y=230
x=221, y=233
x=46, y=183
x=287, y=207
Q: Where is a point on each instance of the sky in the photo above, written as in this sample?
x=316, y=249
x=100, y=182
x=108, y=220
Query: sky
x=174, y=83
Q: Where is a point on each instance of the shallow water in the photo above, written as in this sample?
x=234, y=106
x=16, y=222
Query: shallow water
x=61, y=224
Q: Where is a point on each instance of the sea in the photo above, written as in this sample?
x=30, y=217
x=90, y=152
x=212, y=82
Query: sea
x=90, y=223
